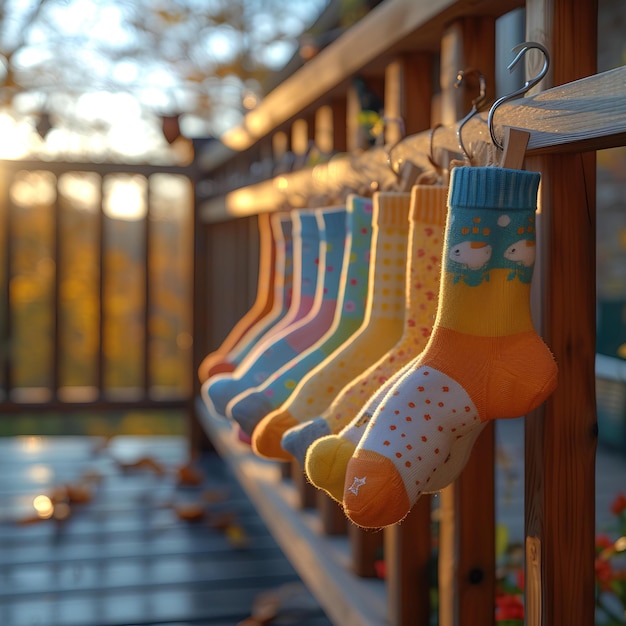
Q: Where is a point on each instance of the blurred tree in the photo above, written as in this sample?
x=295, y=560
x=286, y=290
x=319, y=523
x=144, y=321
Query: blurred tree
x=206, y=60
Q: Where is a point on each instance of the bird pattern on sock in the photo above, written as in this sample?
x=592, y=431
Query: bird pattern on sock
x=483, y=361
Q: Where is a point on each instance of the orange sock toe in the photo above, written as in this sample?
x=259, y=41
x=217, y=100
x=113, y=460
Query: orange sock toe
x=374, y=495
x=267, y=435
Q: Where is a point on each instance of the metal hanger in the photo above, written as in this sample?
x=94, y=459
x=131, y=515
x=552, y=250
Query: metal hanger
x=477, y=104
x=388, y=150
x=521, y=50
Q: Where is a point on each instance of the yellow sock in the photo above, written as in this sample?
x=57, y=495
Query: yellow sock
x=381, y=329
x=426, y=222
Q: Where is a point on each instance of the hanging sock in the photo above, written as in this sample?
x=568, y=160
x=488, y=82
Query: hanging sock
x=426, y=224
x=249, y=407
x=327, y=458
x=313, y=303
x=381, y=329
x=282, y=273
x=292, y=307
x=483, y=361
x=218, y=361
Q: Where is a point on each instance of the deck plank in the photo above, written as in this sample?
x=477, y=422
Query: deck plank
x=126, y=558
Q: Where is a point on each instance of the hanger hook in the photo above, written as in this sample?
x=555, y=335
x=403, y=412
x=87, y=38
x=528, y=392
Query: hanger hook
x=400, y=122
x=477, y=103
x=431, y=151
x=521, y=50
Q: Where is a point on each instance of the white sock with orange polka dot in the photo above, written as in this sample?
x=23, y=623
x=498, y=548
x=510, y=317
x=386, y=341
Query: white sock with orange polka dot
x=484, y=359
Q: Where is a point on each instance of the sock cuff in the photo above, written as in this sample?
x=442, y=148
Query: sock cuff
x=428, y=204
x=332, y=222
x=307, y=225
x=282, y=225
x=264, y=224
x=393, y=209
x=493, y=188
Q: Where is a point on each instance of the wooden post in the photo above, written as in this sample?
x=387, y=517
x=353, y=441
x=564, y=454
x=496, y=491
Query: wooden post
x=353, y=132
x=394, y=95
x=561, y=435
x=340, y=135
x=366, y=547
x=307, y=493
x=417, y=81
x=474, y=495
x=324, y=131
x=334, y=520
x=408, y=573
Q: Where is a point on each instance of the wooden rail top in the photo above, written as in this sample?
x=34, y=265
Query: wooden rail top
x=392, y=28
x=587, y=114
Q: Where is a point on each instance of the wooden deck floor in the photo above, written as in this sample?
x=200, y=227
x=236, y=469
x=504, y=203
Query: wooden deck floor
x=126, y=557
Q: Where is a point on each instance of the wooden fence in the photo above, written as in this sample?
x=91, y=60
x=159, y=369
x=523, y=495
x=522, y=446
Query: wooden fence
x=398, y=49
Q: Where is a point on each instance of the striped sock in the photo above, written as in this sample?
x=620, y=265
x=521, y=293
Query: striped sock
x=381, y=329
x=249, y=407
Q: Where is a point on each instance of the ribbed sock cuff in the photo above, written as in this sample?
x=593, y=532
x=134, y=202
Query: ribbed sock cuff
x=393, y=209
x=493, y=188
x=428, y=204
x=307, y=225
x=333, y=221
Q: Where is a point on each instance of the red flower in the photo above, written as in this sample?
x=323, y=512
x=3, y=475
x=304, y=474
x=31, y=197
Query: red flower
x=509, y=607
x=619, y=504
x=521, y=579
x=603, y=542
x=604, y=573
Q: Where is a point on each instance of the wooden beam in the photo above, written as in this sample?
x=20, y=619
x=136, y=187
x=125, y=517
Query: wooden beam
x=583, y=115
x=408, y=572
x=393, y=27
x=561, y=436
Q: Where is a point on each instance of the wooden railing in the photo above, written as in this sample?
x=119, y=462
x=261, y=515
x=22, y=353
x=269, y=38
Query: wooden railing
x=62, y=225
x=396, y=49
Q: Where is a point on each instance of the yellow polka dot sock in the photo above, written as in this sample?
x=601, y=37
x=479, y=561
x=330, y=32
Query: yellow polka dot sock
x=426, y=223
x=484, y=359
x=381, y=329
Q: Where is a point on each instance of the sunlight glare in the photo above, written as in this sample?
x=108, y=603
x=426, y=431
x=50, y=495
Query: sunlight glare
x=40, y=473
x=81, y=189
x=107, y=106
x=44, y=507
x=223, y=44
x=125, y=199
x=31, y=444
x=16, y=136
x=34, y=188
